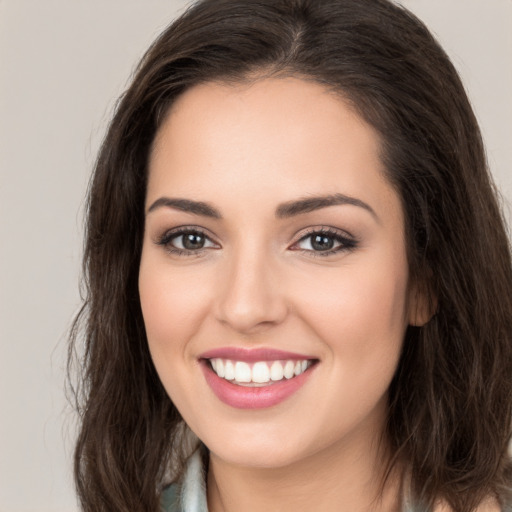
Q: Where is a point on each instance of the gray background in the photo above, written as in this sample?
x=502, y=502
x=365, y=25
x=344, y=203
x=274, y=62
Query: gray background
x=62, y=65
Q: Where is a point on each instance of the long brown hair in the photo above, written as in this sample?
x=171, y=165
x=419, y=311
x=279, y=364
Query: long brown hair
x=450, y=403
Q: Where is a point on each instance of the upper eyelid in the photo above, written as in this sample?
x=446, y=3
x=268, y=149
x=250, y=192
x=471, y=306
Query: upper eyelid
x=343, y=241
x=297, y=237
x=329, y=230
x=180, y=230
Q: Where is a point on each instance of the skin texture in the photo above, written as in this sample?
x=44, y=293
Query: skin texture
x=245, y=150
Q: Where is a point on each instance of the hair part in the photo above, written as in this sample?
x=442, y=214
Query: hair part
x=450, y=401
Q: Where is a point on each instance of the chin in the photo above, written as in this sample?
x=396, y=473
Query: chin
x=258, y=450
x=253, y=457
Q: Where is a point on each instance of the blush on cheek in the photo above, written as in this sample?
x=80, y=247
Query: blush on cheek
x=172, y=307
x=363, y=316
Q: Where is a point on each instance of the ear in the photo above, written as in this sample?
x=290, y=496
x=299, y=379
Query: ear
x=422, y=304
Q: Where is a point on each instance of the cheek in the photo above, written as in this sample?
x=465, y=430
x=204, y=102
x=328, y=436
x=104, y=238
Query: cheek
x=361, y=311
x=173, y=304
x=361, y=317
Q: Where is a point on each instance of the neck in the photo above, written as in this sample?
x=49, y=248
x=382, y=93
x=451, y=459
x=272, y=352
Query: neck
x=346, y=476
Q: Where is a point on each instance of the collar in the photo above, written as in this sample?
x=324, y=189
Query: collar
x=193, y=491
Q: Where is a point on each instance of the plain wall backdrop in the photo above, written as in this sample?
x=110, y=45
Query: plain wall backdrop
x=62, y=65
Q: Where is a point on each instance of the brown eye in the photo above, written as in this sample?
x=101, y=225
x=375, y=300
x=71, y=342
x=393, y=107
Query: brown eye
x=192, y=241
x=186, y=241
x=325, y=243
x=322, y=242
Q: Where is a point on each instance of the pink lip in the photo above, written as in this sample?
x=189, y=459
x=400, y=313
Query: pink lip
x=244, y=397
x=252, y=355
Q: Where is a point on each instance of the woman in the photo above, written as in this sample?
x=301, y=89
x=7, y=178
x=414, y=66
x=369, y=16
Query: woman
x=294, y=251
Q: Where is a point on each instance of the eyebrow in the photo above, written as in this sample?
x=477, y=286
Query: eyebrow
x=283, y=211
x=309, y=204
x=186, y=205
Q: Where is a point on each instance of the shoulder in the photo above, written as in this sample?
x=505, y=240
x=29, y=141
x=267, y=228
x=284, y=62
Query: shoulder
x=169, y=500
x=189, y=492
x=488, y=505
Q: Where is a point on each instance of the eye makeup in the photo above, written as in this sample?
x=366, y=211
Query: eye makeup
x=325, y=241
x=321, y=241
x=186, y=241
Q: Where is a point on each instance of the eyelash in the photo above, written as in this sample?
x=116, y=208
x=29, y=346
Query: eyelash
x=168, y=236
x=346, y=243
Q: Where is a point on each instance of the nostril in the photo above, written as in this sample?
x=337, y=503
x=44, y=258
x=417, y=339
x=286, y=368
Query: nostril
x=249, y=298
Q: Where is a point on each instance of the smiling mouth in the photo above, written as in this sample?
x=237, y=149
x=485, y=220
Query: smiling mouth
x=255, y=378
x=258, y=373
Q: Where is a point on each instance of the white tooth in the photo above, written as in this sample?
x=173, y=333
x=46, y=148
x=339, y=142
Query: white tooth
x=260, y=372
x=229, y=370
x=213, y=362
x=219, y=367
x=289, y=368
x=298, y=368
x=304, y=365
x=276, y=371
x=242, y=372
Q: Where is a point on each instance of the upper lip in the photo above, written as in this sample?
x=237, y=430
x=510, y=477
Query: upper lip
x=252, y=354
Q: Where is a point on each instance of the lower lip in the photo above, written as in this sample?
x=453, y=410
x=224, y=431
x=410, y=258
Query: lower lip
x=245, y=397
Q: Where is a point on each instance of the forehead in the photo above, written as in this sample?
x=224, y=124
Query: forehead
x=272, y=137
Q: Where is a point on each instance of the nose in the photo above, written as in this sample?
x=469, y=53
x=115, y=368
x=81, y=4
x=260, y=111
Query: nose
x=252, y=298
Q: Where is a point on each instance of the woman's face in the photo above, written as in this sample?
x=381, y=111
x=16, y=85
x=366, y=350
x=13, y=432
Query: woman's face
x=274, y=251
